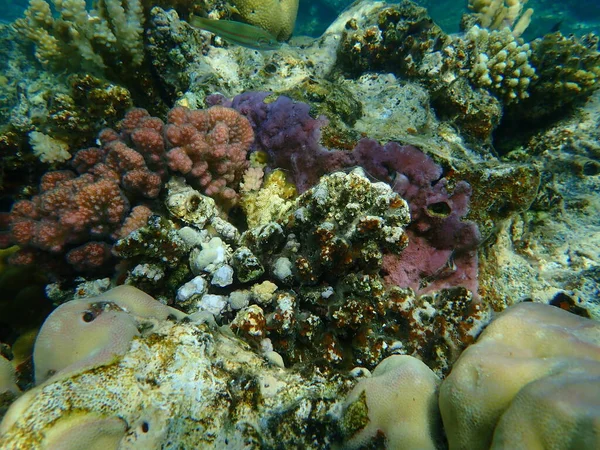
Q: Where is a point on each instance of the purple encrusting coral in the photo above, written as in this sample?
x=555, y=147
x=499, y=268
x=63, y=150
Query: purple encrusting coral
x=285, y=130
x=441, y=250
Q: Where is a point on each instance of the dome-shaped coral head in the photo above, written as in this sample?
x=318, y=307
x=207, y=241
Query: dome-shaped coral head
x=278, y=17
x=92, y=332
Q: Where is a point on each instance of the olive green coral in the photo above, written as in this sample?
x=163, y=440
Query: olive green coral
x=508, y=390
x=568, y=69
x=501, y=63
x=278, y=17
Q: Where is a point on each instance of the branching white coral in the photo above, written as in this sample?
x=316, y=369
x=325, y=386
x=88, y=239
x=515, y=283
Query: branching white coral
x=502, y=63
x=499, y=14
x=114, y=29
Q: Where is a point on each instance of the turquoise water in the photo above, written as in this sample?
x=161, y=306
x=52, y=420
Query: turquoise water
x=577, y=17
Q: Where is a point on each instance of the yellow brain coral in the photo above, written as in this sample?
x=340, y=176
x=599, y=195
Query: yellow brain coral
x=278, y=17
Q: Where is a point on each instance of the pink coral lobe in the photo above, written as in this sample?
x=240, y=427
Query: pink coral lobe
x=89, y=256
x=50, y=236
x=137, y=218
x=179, y=161
x=210, y=147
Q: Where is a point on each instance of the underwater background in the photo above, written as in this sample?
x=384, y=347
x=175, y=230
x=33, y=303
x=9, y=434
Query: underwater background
x=577, y=17
x=272, y=224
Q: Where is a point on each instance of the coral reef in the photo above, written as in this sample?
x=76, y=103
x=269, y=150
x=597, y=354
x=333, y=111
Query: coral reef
x=167, y=370
x=326, y=251
x=290, y=137
x=369, y=200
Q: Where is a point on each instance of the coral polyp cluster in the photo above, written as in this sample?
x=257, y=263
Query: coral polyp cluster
x=109, y=192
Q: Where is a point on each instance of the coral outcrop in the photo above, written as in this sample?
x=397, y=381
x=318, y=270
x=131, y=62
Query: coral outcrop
x=330, y=248
x=84, y=214
x=530, y=380
x=167, y=387
x=134, y=372
x=209, y=148
x=501, y=68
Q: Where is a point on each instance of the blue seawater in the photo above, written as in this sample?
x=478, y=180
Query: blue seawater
x=314, y=16
x=570, y=16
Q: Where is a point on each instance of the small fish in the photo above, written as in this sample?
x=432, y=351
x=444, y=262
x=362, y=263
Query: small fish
x=445, y=271
x=556, y=26
x=238, y=33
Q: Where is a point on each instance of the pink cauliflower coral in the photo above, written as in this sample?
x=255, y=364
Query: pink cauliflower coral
x=209, y=147
x=81, y=214
x=68, y=211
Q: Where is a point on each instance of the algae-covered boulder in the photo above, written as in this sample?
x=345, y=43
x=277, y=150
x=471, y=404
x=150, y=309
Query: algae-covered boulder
x=177, y=384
